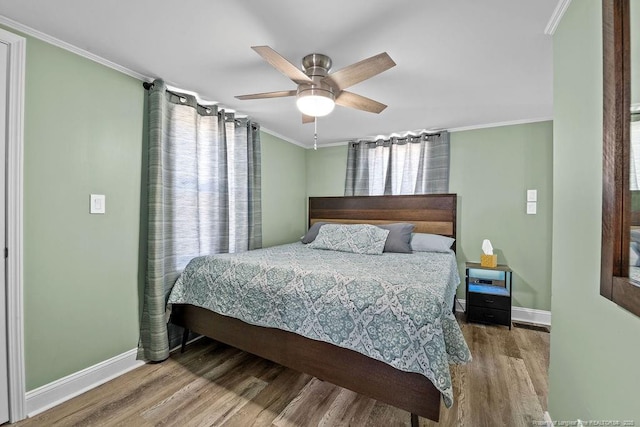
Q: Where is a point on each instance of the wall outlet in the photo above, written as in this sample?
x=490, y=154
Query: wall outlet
x=531, y=208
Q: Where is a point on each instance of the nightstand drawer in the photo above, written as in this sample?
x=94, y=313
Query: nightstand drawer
x=488, y=315
x=489, y=301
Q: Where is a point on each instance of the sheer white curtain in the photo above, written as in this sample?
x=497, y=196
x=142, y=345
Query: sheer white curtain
x=410, y=165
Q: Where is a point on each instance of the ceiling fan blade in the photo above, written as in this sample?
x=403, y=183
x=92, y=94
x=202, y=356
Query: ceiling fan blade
x=363, y=70
x=307, y=119
x=281, y=64
x=359, y=102
x=263, y=95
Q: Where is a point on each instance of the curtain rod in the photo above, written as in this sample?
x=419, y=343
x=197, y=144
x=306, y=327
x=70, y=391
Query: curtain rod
x=393, y=138
x=149, y=85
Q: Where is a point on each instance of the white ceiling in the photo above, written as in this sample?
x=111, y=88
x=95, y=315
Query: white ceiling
x=460, y=63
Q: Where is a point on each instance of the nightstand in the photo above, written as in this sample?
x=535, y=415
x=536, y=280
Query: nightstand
x=488, y=293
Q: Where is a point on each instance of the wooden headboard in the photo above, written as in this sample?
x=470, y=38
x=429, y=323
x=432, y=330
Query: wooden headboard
x=430, y=213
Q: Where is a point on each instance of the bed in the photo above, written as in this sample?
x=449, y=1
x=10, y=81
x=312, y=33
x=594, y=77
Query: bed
x=358, y=360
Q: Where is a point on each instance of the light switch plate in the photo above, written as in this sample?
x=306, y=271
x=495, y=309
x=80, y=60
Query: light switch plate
x=531, y=208
x=532, y=195
x=97, y=204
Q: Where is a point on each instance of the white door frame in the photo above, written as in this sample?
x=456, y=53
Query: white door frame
x=15, y=149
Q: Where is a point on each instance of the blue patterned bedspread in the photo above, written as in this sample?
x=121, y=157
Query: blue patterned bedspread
x=395, y=308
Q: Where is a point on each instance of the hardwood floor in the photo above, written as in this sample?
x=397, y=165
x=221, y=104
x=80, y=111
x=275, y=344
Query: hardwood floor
x=213, y=384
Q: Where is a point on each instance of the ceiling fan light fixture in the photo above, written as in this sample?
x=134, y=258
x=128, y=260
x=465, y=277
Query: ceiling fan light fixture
x=315, y=102
x=317, y=88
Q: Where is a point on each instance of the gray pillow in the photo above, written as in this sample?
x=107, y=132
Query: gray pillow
x=423, y=242
x=399, y=239
x=311, y=235
x=355, y=238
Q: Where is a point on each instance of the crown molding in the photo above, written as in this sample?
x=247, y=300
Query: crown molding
x=129, y=72
x=500, y=124
x=458, y=129
x=284, y=138
x=556, y=16
x=71, y=48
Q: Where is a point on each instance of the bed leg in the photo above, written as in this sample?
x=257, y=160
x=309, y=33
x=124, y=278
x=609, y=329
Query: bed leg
x=414, y=420
x=185, y=338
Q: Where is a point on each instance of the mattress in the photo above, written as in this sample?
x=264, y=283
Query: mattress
x=395, y=308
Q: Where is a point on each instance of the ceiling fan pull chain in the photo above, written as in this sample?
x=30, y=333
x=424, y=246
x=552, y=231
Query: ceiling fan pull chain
x=315, y=133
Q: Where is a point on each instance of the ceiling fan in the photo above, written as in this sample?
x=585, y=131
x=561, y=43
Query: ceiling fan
x=318, y=91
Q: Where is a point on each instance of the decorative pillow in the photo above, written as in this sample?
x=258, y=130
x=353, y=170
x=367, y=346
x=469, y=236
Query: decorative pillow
x=311, y=235
x=423, y=242
x=399, y=239
x=356, y=238
x=635, y=235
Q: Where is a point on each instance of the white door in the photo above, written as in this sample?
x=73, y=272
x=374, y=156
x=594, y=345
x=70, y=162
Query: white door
x=4, y=386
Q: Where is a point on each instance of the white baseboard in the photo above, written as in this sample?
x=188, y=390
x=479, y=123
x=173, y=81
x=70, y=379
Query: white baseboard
x=56, y=392
x=520, y=314
x=59, y=391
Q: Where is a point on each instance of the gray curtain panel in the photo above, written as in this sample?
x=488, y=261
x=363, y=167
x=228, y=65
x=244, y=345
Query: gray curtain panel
x=410, y=165
x=203, y=198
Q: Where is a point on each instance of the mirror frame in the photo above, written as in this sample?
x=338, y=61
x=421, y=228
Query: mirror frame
x=616, y=195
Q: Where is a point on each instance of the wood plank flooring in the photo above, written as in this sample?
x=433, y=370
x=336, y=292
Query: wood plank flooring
x=212, y=384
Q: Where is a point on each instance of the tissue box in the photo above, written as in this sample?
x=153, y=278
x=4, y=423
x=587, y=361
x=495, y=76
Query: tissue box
x=489, y=260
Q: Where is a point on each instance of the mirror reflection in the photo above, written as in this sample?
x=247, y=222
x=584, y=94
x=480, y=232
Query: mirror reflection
x=634, y=187
x=634, y=184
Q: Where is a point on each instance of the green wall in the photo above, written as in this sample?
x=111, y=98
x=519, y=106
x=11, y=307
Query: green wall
x=491, y=169
x=595, y=371
x=284, y=189
x=326, y=171
x=83, y=135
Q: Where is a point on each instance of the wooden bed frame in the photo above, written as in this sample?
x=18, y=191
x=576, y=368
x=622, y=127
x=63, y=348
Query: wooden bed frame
x=346, y=368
